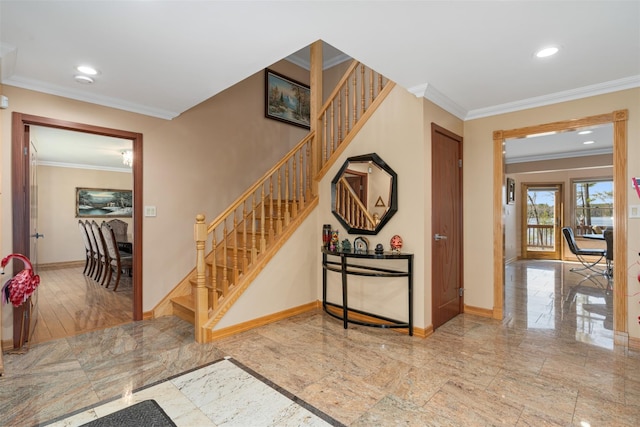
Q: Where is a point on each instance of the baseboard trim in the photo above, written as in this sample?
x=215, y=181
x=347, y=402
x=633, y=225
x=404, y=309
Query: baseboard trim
x=634, y=343
x=623, y=339
x=147, y=315
x=265, y=320
x=56, y=265
x=261, y=321
x=7, y=345
x=478, y=311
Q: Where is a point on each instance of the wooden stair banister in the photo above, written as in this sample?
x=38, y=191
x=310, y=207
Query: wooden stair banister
x=349, y=205
x=249, y=232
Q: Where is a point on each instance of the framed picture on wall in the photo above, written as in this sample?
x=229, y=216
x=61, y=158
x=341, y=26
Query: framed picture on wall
x=287, y=100
x=101, y=203
x=511, y=191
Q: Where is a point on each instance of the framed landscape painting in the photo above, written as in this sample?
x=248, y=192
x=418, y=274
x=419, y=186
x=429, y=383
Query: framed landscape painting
x=100, y=203
x=287, y=100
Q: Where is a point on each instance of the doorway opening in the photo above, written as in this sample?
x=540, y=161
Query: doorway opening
x=541, y=221
x=21, y=194
x=619, y=121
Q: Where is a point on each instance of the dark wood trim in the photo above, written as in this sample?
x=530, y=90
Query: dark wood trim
x=21, y=192
x=435, y=128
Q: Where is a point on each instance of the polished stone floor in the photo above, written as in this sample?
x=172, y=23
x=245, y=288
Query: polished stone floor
x=551, y=361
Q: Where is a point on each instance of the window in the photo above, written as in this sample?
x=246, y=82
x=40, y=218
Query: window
x=593, y=204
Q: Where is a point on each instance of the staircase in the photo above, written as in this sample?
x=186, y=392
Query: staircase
x=238, y=244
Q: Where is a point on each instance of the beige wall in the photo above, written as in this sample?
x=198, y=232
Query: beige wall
x=57, y=220
x=478, y=184
x=200, y=161
x=395, y=133
x=196, y=163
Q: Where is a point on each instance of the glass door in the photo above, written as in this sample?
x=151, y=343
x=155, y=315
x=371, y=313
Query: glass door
x=541, y=221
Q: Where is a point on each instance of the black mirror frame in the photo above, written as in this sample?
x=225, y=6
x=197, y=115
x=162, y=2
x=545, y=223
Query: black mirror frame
x=393, y=208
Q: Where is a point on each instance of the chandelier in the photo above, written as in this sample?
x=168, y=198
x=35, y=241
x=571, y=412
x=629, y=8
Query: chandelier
x=127, y=158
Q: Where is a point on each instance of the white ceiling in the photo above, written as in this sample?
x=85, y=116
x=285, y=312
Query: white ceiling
x=560, y=145
x=58, y=147
x=473, y=58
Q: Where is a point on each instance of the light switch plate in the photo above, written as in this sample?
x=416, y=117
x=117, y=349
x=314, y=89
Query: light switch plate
x=634, y=211
x=149, y=211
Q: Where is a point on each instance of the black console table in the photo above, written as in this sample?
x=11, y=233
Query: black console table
x=345, y=266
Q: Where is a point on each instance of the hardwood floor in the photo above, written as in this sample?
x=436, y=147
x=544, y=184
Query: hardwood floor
x=69, y=303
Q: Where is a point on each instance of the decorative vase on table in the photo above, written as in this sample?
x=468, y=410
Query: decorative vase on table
x=396, y=243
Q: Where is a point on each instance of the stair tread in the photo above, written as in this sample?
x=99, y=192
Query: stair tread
x=186, y=301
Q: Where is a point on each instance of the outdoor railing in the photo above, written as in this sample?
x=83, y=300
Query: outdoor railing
x=540, y=236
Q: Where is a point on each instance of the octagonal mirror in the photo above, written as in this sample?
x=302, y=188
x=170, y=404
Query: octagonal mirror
x=364, y=194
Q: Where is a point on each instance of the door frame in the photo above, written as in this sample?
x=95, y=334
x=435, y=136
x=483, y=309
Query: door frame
x=558, y=213
x=619, y=120
x=20, y=190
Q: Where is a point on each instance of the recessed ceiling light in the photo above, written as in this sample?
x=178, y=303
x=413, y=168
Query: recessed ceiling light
x=84, y=79
x=585, y=132
x=85, y=69
x=588, y=142
x=547, y=51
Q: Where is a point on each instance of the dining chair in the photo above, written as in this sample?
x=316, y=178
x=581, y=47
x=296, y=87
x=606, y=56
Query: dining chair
x=102, y=253
x=97, y=267
x=117, y=260
x=119, y=227
x=89, y=263
x=589, y=258
x=608, y=238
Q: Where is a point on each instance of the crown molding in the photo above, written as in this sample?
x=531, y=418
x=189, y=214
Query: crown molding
x=306, y=64
x=429, y=92
x=83, y=166
x=555, y=98
x=105, y=101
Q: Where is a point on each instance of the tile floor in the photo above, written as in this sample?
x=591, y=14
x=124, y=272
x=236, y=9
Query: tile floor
x=550, y=362
x=210, y=396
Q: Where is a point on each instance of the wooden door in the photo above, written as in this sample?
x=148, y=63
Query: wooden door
x=446, y=224
x=541, y=208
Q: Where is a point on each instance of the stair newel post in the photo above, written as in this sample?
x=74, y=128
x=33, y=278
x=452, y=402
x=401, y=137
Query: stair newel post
x=271, y=230
x=201, y=305
x=286, y=194
x=316, y=60
x=279, y=208
x=225, y=278
x=254, y=248
x=245, y=259
x=263, y=241
x=315, y=78
x=235, y=247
